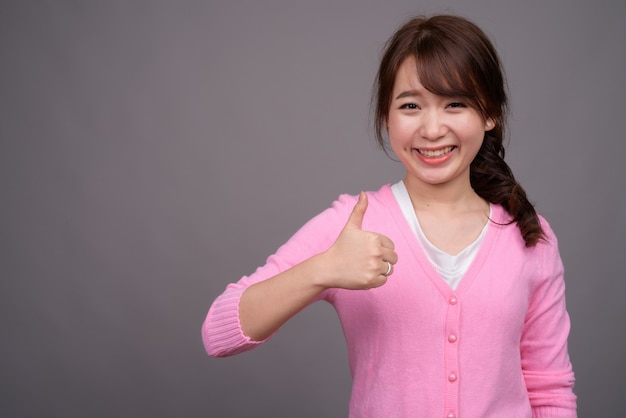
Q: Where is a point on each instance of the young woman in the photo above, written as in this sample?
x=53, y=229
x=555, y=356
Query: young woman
x=448, y=285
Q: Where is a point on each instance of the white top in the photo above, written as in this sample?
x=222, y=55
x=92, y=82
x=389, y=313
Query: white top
x=450, y=267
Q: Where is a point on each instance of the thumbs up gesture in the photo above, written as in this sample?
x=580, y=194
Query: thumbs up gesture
x=360, y=259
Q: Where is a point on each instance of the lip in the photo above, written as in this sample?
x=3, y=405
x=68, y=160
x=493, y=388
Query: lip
x=432, y=156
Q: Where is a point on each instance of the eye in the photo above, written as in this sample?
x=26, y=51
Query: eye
x=456, y=105
x=411, y=106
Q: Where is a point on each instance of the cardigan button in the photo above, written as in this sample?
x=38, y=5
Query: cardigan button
x=453, y=300
x=452, y=377
x=451, y=415
x=452, y=338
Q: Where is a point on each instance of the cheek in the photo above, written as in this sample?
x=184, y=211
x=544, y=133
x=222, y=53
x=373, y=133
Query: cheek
x=471, y=133
x=398, y=141
x=400, y=133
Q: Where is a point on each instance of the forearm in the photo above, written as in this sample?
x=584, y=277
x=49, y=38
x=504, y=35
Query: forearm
x=266, y=306
x=251, y=310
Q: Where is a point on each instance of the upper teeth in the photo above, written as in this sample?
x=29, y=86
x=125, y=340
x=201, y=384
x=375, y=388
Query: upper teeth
x=435, y=153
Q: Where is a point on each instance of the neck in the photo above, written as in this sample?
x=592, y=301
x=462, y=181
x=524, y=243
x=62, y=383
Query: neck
x=453, y=196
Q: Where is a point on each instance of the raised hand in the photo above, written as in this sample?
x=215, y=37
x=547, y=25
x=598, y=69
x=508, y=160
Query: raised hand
x=359, y=259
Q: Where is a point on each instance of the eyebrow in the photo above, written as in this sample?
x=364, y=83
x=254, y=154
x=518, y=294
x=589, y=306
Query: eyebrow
x=408, y=93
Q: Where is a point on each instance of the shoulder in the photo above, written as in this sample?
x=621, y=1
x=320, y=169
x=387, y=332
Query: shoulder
x=549, y=245
x=546, y=255
x=502, y=219
x=330, y=221
x=375, y=197
x=547, y=229
x=540, y=263
x=377, y=201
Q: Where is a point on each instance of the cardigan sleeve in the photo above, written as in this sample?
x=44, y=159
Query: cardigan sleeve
x=545, y=361
x=221, y=331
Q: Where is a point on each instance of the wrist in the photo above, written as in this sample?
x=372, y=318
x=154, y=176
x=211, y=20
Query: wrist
x=321, y=272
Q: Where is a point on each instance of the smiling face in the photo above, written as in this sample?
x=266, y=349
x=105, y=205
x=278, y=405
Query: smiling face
x=435, y=137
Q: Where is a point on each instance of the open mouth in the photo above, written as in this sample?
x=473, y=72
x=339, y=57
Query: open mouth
x=435, y=153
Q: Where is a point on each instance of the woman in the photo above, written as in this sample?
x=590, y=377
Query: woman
x=448, y=285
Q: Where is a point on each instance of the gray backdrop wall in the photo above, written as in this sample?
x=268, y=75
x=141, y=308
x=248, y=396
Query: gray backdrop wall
x=153, y=151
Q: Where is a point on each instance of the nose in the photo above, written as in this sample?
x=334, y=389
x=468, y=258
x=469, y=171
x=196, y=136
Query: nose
x=432, y=126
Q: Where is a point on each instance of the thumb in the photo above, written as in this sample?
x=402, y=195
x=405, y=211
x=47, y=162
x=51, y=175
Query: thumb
x=356, y=217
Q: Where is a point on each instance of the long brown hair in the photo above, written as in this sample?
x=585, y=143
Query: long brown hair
x=455, y=58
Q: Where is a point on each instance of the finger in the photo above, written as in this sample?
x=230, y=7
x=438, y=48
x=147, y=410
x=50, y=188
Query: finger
x=390, y=256
x=388, y=269
x=356, y=217
x=386, y=242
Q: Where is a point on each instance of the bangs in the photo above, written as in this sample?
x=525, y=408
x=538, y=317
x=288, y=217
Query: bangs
x=445, y=69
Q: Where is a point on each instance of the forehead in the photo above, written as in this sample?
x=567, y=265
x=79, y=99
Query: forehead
x=407, y=77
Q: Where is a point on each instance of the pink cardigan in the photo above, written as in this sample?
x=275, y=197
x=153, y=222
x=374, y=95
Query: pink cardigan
x=495, y=347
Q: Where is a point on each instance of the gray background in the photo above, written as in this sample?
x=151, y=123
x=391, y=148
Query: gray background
x=153, y=151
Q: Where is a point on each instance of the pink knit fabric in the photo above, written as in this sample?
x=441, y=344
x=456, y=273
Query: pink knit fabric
x=495, y=347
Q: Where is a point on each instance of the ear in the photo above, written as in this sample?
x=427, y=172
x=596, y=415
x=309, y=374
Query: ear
x=489, y=124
